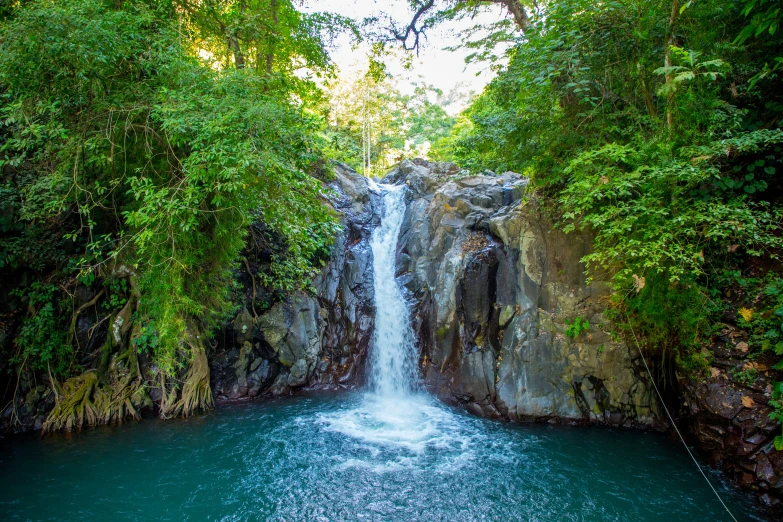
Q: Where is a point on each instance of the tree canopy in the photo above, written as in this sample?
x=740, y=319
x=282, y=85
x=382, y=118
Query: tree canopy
x=141, y=139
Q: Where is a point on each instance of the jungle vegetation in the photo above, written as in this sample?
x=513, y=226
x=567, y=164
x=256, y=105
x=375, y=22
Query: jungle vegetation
x=140, y=139
x=656, y=125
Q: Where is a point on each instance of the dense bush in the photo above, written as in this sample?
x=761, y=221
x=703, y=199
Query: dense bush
x=139, y=142
x=657, y=125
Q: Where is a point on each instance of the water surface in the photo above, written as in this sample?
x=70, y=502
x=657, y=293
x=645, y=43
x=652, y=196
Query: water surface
x=354, y=456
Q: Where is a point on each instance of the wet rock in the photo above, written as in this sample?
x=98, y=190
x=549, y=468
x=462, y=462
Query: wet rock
x=492, y=283
x=731, y=426
x=304, y=340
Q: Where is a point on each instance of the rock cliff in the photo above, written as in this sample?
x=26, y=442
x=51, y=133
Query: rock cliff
x=493, y=287
x=308, y=340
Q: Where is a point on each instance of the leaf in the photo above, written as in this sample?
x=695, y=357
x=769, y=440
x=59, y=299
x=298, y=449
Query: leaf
x=778, y=442
x=748, y=402
x=746, y=313
x=743, y=347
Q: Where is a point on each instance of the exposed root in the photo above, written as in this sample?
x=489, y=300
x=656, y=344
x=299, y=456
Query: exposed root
x=85, y=401
x=75, y=316
x=253, y=280
x=76, y=405
x=117, y=391
x=196, y=392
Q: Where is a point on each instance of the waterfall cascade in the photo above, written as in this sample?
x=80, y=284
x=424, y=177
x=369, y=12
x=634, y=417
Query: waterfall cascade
x=392, y=414
x=393, y=371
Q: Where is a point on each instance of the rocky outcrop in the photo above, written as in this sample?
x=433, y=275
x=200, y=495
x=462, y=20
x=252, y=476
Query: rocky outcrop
x=494, y=286
x=303, y=340
x=729, y=418
x=277, y=343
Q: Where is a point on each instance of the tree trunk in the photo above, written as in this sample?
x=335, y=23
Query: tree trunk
x=667, y=61
x=517, y=10
x=646, y=93
x=270, y=55
x=239, y=59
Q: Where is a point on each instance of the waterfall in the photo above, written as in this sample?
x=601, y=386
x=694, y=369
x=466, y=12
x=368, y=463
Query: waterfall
x=391, y=415
x=393, y=361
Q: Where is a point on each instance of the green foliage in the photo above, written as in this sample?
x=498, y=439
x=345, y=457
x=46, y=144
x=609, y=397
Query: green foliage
x=660, y=211
x=690, y=70
x=746, y=377
x=671, y=318
x=35, y=245
x=122, y=148
x=764, y=21
x=42, y=341
x=575, y=328
x=117, y=293
x=147, y=341
x=760, y=312
x=777, y=402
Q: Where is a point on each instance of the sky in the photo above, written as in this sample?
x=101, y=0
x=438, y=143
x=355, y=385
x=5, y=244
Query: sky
x=442, y=69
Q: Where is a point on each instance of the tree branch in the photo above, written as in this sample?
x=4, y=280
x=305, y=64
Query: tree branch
x=411, y=28
x=517, y=11
x=416, y=28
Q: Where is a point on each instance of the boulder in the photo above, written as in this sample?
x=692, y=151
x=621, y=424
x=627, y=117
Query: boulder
x=492, y=285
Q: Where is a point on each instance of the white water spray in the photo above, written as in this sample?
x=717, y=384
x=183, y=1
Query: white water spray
x=393, y=370
x=392, y=416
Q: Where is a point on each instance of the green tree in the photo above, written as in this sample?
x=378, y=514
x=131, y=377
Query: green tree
x=656, y=125
x=152, y=163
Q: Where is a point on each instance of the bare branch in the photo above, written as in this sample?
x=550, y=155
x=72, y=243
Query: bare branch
x=412, y=28
x=410, y=35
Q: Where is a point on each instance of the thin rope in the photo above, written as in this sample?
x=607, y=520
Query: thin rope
x=652, y=380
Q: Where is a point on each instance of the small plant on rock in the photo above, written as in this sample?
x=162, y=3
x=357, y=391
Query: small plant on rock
x=575, y=328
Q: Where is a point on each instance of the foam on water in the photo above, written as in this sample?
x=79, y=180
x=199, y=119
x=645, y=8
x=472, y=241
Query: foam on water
x=415, y=425
x=392, y=415
x=414, y=434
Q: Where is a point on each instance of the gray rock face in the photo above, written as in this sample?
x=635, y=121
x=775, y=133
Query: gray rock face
x=493, y=286
x=318, y=340
x=730, y=422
